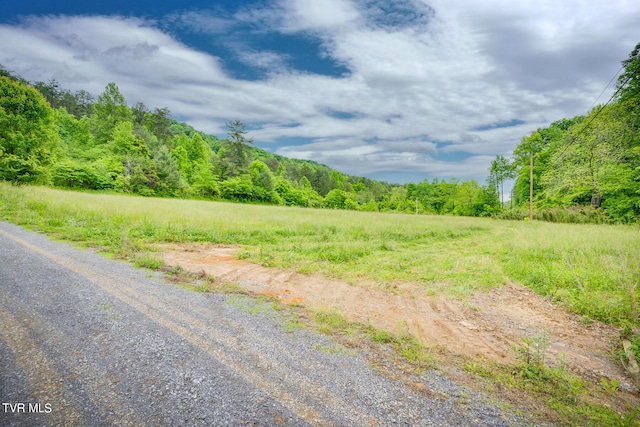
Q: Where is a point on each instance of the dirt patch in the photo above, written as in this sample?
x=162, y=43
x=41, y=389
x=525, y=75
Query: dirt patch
x=487, y=325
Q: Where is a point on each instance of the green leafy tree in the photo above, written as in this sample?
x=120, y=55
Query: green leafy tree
x=595, y=164
x=124, y=142
x=51, y=92
x=437, y=196
x=321, y=181
x=78, y=104
x=110, y=109
x=83, y=104
x=193, y=158
x=170, y=181
x=139, y=176
x=336, y=199
x=140, y=113
x=628, y=84
x=313, y=199
x=205, y=183
x=180, y=155
x=337, y=180
x=262, y=179
x=465, y=195
x=29, y=141
x=82, y=175
x=539, y=146
x=500, y=171
x=238, y=188
x=238, y=146
x=288, y=194
x=197, y=149
x=624, y=203
x=473, y=200
x=160, y=124
x=75, y=134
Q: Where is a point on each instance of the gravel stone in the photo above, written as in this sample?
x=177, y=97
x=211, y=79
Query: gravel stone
x=96, y=342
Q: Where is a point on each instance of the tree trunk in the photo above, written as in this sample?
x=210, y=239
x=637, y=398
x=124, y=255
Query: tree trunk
x=596, y=200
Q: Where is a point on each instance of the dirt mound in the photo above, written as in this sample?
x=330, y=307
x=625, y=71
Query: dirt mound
x=487, y=325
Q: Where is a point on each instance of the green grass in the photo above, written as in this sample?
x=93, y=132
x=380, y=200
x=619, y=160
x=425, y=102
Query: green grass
x=590, y=269
x=558, y=393
x=408, y=347
x=593, y=270
x=148, y=260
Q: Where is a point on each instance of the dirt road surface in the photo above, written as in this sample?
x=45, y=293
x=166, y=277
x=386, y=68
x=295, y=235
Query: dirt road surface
x=486, y=325
x=88, y=341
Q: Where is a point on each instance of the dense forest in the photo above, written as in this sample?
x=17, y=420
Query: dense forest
x=50, y=136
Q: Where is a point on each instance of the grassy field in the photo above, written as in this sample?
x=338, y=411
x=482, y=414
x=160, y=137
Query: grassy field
x=591, y=269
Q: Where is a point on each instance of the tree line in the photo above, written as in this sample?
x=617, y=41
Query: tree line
x=51, y=136
x=587, y=167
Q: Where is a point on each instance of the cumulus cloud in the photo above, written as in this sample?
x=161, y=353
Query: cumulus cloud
x=437, y=87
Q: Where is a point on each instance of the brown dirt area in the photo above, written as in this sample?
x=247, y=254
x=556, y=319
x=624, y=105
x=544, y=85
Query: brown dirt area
x=485, y=325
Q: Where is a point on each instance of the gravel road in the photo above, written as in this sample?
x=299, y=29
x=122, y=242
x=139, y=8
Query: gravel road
x=86, y=340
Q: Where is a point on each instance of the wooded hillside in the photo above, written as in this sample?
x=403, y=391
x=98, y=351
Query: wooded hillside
x=103, y=144
x=588, y=165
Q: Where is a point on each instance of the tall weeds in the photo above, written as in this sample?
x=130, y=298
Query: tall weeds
x=590, y=269
x=570, y=215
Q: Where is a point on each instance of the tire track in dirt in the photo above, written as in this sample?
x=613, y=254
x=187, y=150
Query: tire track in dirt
x=486, y=325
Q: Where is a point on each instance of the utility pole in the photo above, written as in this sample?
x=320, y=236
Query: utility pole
x=530, y=185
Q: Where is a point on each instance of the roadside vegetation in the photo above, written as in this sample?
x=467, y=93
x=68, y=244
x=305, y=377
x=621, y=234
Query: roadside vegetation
x=553, y=392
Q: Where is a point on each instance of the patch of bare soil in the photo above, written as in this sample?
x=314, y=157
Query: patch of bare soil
x=487, y=325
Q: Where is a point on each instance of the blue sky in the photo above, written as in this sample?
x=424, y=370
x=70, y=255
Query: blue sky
x=393, y=90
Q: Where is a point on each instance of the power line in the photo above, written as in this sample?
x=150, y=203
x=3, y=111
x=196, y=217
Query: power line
x=631, y=75
x=607, y=86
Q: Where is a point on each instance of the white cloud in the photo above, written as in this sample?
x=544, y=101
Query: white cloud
x=267, y=60
x=323, y=16
x=209, y=22
x=423, y=77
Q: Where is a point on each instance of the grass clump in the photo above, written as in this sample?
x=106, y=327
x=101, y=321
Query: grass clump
x=408, y=347
x=553, y=391
x=148, y=260
x=332, y=322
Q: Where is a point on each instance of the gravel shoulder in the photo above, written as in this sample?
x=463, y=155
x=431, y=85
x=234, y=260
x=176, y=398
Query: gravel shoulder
x=86, y=340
